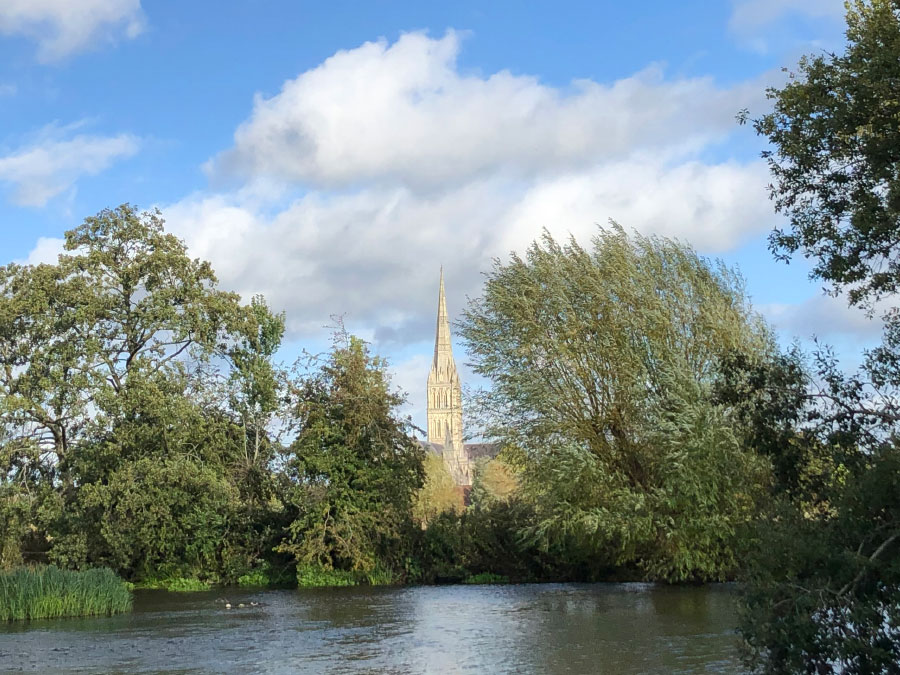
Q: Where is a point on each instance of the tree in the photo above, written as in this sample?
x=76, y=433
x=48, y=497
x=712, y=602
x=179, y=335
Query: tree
x=109, y=361
x=114, y=327
x=494, y=481
x=835, y=160
x=258, y=396
x=824, y=578
x=439, y=492
x=602, y=362
x=354, y=466
x=824, y=587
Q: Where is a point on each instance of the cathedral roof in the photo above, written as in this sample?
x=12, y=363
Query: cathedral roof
x=479, y=450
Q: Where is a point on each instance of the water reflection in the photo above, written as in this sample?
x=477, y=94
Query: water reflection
x=558, y=628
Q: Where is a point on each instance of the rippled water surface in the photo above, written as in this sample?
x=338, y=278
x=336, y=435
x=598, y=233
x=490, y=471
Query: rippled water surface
x=557, y=628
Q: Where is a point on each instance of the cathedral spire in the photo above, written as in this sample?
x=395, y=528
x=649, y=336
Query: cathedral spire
x=442, y=346
x=445, y=398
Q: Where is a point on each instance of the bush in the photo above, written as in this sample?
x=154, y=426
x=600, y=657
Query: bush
x=314, y=576
x=267, y=576
x=486, y=578
x=176, y=584
x=49, y=592
x=152, y=515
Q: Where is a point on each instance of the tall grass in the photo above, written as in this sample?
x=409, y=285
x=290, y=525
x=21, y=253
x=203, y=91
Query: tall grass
x=49, y=592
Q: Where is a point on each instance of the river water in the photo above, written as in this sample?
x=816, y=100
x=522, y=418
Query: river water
x=547, y=628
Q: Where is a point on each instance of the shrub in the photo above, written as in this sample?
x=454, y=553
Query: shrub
x=486, y=578
x=176, y=584
x=267, y=576
x=312, y=576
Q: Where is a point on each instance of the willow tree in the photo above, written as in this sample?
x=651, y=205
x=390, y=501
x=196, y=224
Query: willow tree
x=601, y=362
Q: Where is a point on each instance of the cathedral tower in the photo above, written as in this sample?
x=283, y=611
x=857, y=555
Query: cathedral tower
x=445, y=399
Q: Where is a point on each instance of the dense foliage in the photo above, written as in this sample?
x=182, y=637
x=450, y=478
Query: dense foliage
x=602, y=363
x=354, y=468
x=836, y=153
x=825, y=579
x=133, y=394
x=825, y=574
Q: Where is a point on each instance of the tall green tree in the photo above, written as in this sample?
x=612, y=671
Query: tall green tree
x=835, y=156
x=354, y=465
x=601, y=362
x=825, y=583
x=109, y=360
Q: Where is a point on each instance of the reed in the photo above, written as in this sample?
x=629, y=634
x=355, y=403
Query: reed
x=49, y=592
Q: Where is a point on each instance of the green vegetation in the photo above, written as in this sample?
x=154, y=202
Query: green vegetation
x=834, y=156
x=824, y=570
x=267, y=576
x=651, y=428
x=49, y=592
x=175, y=584
x=313, y=576
x=602, y=363
x=486, y=578
x=121, y=443
x=354, y=469
x=439, y=492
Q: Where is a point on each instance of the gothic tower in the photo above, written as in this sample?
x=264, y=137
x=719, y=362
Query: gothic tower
x=445, y=399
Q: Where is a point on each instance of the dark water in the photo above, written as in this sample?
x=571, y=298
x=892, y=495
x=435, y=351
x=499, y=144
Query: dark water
x=558, y=628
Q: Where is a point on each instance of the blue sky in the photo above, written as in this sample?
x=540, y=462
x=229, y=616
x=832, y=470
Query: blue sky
x=324, y=153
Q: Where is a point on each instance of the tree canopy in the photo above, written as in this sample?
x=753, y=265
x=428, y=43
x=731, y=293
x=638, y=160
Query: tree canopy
x=825, y=580
x=601, y=362
x=835, y=160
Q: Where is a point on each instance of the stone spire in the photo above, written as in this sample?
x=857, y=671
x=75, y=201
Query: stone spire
x=445, y=398
x=443, y=350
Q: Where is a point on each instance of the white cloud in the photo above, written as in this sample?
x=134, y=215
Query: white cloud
x=751, y=15
x=712, y=206
x=64, y=27
x=373, y=254
x=405, y=163
x=762, y=24
x=410, y=376
x=826, y=317
x=46, y=250
x=404, y=112
x=56, y=159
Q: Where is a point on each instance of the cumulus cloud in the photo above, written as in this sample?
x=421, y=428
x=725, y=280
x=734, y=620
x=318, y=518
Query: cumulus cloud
x=46, y=250
x=57, y=159
x=373, y=254
x=399, y=162
x=404, y=112
x=64, y=27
